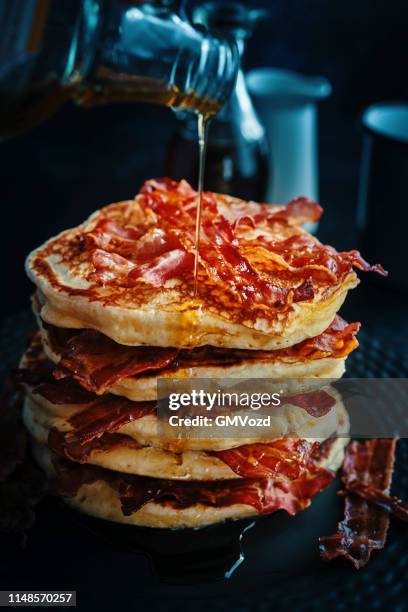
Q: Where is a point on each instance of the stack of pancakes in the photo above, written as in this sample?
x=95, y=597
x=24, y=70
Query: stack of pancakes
x=118, y=307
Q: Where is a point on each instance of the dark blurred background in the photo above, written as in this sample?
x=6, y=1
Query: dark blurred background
x=55, y=175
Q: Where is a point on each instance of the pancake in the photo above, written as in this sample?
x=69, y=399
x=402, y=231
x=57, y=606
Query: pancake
x=263, y=282
x=97, y=498
x=59, y=401
x=120, y=452
x=101, y=365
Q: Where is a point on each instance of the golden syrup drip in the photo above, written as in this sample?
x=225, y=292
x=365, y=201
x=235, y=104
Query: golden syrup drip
x=203, y=121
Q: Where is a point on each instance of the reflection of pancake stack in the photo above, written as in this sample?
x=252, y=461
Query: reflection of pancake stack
x=116, y=310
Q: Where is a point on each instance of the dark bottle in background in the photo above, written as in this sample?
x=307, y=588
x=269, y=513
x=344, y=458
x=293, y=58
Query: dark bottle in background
x=237, y=154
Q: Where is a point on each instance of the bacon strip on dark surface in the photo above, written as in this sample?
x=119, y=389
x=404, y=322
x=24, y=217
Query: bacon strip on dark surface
x=374, y=494
x=368, y=466
x=390, y=503
x=264, y=495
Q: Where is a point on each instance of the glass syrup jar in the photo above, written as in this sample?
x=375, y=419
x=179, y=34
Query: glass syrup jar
x=103, y=51
x=237, y=152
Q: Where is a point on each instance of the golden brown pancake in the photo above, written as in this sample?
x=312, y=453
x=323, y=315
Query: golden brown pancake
x=100, y=364
x=120, y=452
x=100, y=497
x=263, y=282
x=64, y=405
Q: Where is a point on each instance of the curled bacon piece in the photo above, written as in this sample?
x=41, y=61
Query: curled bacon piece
x=284, y=459
x=94, y=428
x=224, y=263
x=110, y=268
x=302, y=254
x=113, y=268
x=264, y=495
x=355, y=484
x=97, y=362
x=166, y=266
x=106, y=415
x=80, y=452
x=164, y=249
x=298, y=211
x=98, y=415
x=316, y=403
x=110, y=236
x=338, y=340
x=367, y=468
x=390, y=503
x=355, y=259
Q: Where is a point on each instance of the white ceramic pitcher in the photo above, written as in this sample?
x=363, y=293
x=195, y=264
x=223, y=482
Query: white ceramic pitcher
x=287, y=105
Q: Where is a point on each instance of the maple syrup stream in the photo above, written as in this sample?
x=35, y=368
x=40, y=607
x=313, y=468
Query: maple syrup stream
x=203, y=121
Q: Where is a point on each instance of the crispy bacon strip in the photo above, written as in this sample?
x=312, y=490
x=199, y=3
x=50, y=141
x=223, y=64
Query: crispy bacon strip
x=106, y=415
x=284, y=459
x=304, y=255
x=162, y=268
x=219, y=248
x=97, y=362
x=63, y=392
x=94, y=428
x=288, y=461
x=390, y=503
x=80, y=451
x=264, y=495
x=354, y=484
x=110, y=268
x=298, y=211
x=316, y=403
x=338, y=340
x=354, y=258
x=124, y=255
x=98, y=415
x=221, y=257
x=367, y=464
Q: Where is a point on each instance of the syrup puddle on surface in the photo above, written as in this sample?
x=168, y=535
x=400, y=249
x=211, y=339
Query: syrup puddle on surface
x=183, y=556
x=203, y=122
